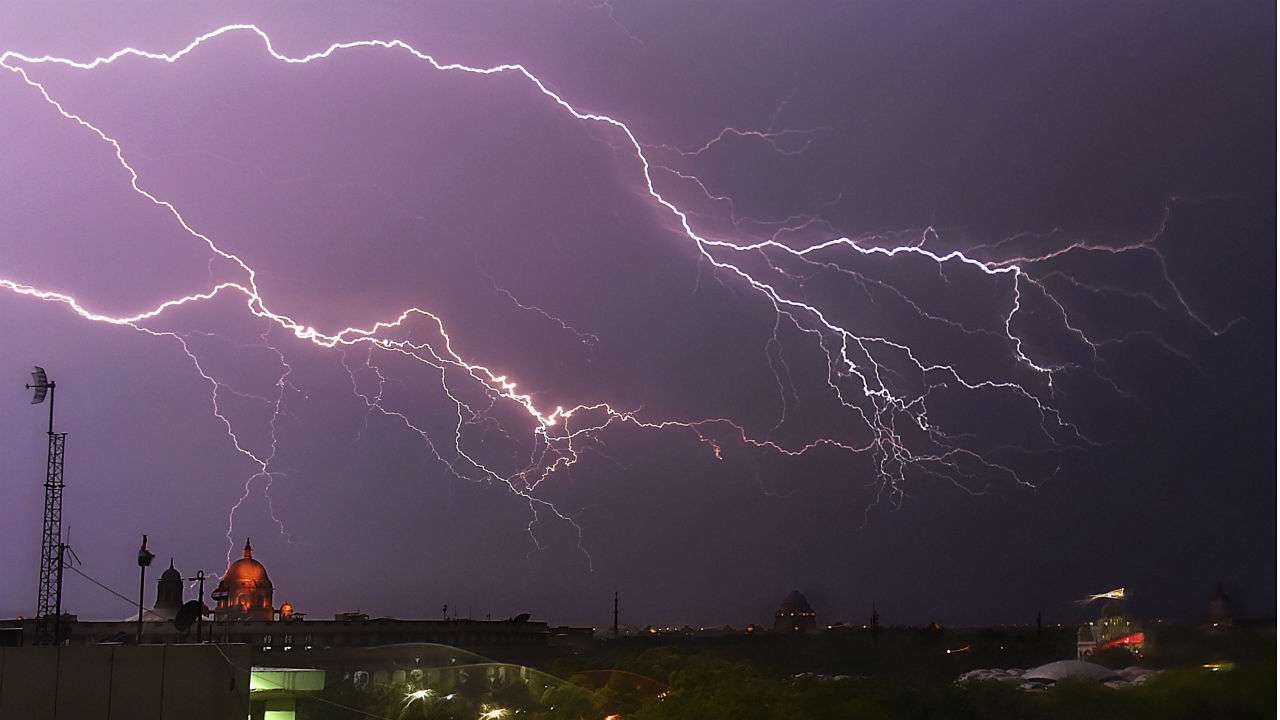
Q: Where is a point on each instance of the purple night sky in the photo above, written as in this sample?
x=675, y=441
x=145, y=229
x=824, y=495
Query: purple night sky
x=1079, y=399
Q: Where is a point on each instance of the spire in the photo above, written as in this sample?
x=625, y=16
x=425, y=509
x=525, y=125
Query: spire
x=171, y=564
x=248, y=549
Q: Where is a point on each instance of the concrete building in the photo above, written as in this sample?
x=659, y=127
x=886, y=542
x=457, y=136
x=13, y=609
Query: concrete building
x=117, y=682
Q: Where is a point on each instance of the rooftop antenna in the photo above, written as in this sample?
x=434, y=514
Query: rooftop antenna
x=48, y=596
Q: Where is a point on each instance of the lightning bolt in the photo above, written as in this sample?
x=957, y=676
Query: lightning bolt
x=863, y=374
x=1117, y=594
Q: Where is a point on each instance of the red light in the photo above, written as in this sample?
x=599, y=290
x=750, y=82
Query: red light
x=1133, y=639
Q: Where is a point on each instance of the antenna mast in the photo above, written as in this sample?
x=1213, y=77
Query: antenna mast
x=49, y=596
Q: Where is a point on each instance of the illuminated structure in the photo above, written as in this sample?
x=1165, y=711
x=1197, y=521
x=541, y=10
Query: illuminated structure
x=352, y=647
x=169, y=593
x=795, y=615
x=245, y=591
x=1112, y=630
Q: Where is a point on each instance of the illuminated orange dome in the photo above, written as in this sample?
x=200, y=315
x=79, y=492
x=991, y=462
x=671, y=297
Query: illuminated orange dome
x=246, y=570
x=245, y=590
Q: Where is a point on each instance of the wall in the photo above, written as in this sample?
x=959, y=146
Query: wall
x=125, y=682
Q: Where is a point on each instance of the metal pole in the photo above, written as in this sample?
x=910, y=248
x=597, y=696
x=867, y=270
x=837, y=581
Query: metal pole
x=144, y=559
x=57, y=622
x=142, y=583
x=200, y=617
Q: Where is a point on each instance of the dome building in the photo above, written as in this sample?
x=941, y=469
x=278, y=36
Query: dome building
x=169, y=593
x=795, y=615
x=245, y=590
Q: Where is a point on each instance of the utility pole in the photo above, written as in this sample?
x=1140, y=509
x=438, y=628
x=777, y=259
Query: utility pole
x=615, y=614
x=51, y=536
x=199, y=578
x=57, y=622
x=144, y=559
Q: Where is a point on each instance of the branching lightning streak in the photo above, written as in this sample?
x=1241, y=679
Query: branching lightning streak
x=773, y=136
x=586, y=338
x=866, y=361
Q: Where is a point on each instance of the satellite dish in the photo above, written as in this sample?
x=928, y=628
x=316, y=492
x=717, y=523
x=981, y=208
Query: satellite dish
x=522, y=618
x=40, y=384
x=187, y=615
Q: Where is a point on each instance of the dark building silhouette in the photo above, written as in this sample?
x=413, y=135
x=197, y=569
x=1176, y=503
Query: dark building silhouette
x=1220, y=609
x=169, y=593
x=795, y=615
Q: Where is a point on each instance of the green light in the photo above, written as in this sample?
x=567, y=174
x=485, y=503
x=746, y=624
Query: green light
x=267, y=679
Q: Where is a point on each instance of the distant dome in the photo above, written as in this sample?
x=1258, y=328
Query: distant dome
x=795, y=615
x=169, y=592
x=796, y=602
x=171, y=573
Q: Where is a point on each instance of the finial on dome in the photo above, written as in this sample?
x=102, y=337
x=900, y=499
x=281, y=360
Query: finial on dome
x=248, y=549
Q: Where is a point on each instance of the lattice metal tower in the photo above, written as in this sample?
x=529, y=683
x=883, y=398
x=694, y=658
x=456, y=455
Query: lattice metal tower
x=48, y=600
